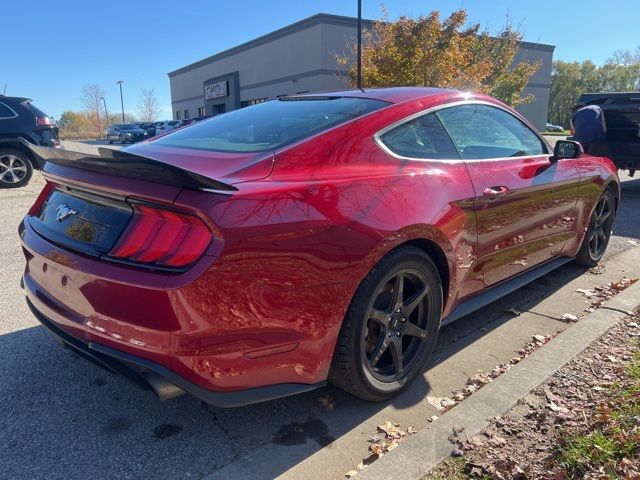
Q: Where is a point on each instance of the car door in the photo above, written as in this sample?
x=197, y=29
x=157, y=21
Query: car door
x=525, y=201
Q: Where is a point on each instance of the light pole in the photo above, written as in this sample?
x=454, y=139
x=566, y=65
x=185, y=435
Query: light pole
x=359, y=76
x=120, y=82
x=106, y=114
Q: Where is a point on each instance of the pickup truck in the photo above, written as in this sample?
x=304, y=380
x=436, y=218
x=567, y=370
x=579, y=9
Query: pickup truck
x=622, y=117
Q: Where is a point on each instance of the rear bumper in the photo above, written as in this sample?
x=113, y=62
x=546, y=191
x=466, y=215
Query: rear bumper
x=159, y=379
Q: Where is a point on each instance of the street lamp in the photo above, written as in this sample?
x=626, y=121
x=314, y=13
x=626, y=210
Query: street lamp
x=106, y=114
x=120, y=82
x=359, y=77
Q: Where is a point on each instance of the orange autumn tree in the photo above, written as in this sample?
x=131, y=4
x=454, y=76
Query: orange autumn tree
x=426, y=51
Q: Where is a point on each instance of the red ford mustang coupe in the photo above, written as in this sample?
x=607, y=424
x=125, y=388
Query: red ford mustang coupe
x=262, y=252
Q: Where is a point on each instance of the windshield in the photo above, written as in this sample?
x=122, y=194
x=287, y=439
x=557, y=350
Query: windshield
x=270, y=125
x=129, y=126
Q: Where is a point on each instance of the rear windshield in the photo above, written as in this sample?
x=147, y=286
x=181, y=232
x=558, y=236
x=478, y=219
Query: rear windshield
x=270, y=125
x=36, y=110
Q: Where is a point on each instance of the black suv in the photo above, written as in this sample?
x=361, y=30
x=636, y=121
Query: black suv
x=622, y=117
x=19, y=118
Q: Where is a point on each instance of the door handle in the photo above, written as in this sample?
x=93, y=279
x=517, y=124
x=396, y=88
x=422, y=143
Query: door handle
x=496, y=191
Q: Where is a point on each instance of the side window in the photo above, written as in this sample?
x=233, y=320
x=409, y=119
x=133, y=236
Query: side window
x=423, y=137
x=6, y=112
x=485, y=132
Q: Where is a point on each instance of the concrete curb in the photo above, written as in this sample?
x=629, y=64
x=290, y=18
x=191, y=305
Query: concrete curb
x=427, y=448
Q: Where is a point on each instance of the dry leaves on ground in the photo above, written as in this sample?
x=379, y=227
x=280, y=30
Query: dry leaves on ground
x=393, y=436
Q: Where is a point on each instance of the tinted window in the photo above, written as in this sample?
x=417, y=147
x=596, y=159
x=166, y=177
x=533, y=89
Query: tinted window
x=6, y=112
x=423, y=137
x=270, y=125
x=36, y=110
x=484, y=132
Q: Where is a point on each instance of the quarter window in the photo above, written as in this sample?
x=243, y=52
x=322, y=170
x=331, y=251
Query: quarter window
x=6, y=112
x=485, y=132
x=423, y=137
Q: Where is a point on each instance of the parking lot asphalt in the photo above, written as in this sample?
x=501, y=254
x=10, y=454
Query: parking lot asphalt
x=61, y=417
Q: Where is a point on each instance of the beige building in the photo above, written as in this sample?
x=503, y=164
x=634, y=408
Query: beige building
x=301, y=58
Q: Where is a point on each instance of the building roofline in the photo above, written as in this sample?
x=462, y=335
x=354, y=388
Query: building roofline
x=317, y=19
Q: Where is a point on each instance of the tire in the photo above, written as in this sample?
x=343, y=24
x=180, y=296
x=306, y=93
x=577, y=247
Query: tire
x=598, y=233
x=365, y=358
x=110, y=141
x=16, y=168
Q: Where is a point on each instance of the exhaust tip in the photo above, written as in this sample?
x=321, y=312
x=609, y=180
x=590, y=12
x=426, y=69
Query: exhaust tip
x=161, y=387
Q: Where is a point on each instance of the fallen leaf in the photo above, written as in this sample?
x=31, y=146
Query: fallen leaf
x=569, y=316
x=441, y=402
x=587, y=293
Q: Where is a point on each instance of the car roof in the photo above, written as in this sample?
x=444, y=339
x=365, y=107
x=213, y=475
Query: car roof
x=15, y=99
x=391, y=94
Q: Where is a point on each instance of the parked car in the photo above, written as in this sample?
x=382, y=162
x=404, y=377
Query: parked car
x=622, y=117
x=150, y=128
x=126, y=133
x=553, y=128
x=20, y=118
x=166, y=126
x=185, y=122
x=310, y=238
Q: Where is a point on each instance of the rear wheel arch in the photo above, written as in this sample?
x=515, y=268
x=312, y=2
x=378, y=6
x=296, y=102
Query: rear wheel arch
x=439, y=258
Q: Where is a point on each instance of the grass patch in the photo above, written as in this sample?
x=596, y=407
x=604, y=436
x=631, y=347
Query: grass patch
x=614, y=434
x=454, y=469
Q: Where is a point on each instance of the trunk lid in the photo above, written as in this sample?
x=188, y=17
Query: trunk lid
x=79, y=219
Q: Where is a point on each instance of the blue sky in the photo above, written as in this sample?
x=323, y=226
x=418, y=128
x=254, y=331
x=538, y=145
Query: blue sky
x=49, y=49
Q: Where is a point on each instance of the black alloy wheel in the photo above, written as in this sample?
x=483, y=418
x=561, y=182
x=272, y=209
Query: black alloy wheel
x=390, y=327
x=598, y=231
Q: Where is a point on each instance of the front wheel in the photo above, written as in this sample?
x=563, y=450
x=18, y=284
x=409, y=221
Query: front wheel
x=15, y=168
x=598, y=232
x=390, y=328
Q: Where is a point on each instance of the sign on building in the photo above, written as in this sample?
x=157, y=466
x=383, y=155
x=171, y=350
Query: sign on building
x=215, y=90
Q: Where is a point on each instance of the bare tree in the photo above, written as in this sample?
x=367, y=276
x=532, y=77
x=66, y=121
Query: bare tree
x=91, y=94
x=148, y=107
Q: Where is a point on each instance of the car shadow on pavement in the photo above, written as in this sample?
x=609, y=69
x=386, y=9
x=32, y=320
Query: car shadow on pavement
x=629, y=208
x=63, y=417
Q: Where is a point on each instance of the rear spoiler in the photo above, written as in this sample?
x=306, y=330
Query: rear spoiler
x=130, y=165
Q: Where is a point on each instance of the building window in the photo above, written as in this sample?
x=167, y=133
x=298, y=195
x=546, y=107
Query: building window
x=217, y=109
x=186, y=113
x=177, y=114
x=202, y=112
x=255, y=101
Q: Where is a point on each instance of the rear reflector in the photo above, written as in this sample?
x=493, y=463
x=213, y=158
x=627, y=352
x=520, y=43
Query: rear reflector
x=162, y=237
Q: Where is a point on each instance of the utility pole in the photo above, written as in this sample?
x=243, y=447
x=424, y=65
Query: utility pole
x=120, y=82
x=359, y=77
x=106, y=114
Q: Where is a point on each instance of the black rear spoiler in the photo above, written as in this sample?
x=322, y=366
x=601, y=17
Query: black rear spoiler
x=130, y=165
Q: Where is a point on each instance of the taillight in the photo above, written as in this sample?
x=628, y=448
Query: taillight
x=36, y=208
x=162, y=237
x=45, y=121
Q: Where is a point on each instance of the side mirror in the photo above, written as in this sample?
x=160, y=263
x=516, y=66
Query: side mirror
x=567, y=149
